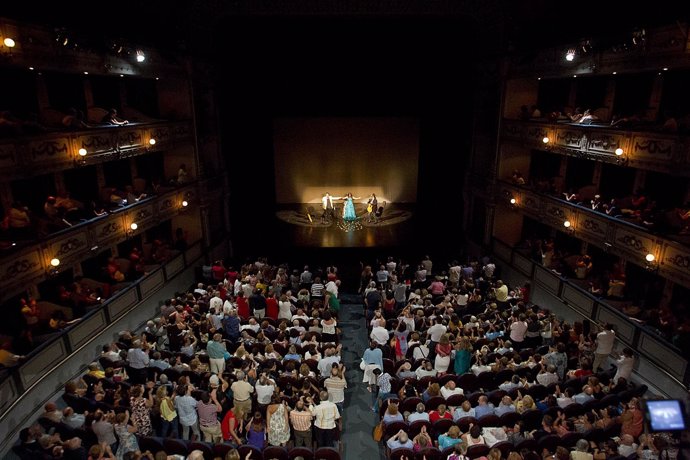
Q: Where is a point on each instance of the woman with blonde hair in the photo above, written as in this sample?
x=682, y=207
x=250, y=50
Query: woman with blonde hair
x=524, y=403
x=449, y=438
x=443, y=351
x=434, y=389
x=392, y=414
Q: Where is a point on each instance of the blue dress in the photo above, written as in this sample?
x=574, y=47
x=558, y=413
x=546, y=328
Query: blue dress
x=349, y=210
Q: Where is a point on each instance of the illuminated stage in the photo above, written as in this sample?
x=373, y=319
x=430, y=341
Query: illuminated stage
x=394, y=228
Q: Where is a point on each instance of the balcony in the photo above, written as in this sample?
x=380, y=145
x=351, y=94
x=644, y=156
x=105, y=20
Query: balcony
x=57, y=151
x=667, y=153
x=614, y=235
x=31, y=264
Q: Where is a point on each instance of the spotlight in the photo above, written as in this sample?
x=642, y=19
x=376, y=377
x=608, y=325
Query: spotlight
x=141, y=57
x=570, y=55
x=9, y=42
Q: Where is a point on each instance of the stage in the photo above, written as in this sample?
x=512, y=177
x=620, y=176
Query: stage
x=302, y=225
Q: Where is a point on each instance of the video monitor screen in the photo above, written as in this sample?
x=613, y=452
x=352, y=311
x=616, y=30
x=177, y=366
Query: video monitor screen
x=665, y=415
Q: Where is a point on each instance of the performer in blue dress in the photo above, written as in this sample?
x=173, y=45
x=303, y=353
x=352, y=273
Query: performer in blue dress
x=349, y=207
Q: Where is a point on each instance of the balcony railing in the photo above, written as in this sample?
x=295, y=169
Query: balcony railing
x=31, y=264
x=668, y=153
x=615, y=235
x=646, y=341
x=56, y=151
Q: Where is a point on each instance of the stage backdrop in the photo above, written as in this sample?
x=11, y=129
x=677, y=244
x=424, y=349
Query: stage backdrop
x=340, y=155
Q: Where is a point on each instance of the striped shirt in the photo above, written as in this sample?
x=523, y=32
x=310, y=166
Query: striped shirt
x=301, y=420
x=336, y=389
x=208, y=413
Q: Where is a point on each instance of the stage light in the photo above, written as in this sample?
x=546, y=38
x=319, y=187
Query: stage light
x=546, y=140
x=570, y=55
x=82, y=152
x=9, y=42
x=619, y=151
x=141, y=57
x=54, y=262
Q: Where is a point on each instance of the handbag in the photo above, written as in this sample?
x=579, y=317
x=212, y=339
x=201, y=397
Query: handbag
x=378, y=432
x=362, y=365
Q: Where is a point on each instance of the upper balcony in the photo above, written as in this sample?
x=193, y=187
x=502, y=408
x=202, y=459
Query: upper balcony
x=617, y=236
x=667, y=153
x=31, y=263
x=57, y=151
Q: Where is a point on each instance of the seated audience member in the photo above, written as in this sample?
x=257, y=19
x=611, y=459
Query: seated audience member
x=111, y=118
x=74, y=119
x=418, y=414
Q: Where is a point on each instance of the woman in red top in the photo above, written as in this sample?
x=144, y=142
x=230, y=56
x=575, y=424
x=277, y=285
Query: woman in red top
x=242, y=306
x=231, y=426
x=272, y=306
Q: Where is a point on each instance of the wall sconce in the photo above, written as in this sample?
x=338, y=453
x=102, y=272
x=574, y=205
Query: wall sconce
x=8, y=43
x=650, y=262
x=152, y=142
x=568, y=226
x=81, y=159
x=621, y=159
x=185, y=203
x=132, y=228
x=141, y=57
x=546, y=140
x=54, y=264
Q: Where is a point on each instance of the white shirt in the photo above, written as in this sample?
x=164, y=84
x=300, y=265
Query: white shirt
x=285, y=309
x=326, y=413
x=625, y=367
x=447, y=393
x=216, y=303
x=547, y=378
x=605, y=340
x=436, y=331
x=332, y=288
x=380, y=335
x=264, y=393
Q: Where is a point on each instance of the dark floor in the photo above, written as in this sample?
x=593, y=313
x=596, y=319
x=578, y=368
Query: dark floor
x=358, y=418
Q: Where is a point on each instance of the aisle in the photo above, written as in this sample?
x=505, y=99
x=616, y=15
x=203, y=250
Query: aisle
x=358, y=419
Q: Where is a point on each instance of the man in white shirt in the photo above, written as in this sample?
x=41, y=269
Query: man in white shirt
x=548, y=377
x=326, y=421
x=449, y=389
x=215, y=302
x=265, y=387
x=326, y=363
x=624, y=365
x=605, y=341
x=627, y=445
x=435, y=332
x=379, y=333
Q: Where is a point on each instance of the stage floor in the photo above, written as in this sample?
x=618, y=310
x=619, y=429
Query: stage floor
x=395, y=227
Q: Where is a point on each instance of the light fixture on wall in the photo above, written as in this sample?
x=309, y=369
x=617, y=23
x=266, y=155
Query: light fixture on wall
x=546, y=139
x=651, y=263
x=80, y=159
x=152, y=141
x=132, y=228
x=54, y=264
x=621, y=157
x=141, y=57
x=568, y=226
x=570, y=55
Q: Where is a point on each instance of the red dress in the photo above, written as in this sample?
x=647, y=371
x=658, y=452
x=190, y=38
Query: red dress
x=242, y=308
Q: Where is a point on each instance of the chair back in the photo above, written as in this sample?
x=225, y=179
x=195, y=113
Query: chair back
x=277, y=452
x=477, y=450
x=305, y=452
x=327, y=453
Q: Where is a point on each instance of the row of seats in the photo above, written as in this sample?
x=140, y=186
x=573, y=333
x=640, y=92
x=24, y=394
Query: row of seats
x=181, y=447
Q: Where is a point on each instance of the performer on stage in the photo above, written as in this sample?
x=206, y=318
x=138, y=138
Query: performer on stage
x=328, y=209
x=349, y=207
x=372, y=207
